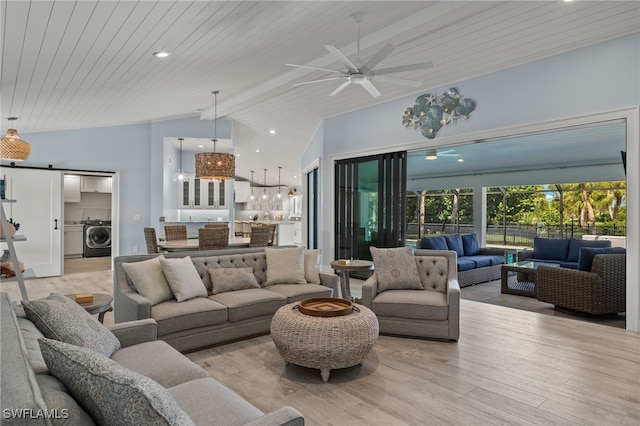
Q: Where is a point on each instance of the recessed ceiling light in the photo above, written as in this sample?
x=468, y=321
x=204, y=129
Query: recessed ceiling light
x=257, y=150
x=460, y=160
x=200, y=146
x=237, y=155
x=161, y=54
x=273, y=132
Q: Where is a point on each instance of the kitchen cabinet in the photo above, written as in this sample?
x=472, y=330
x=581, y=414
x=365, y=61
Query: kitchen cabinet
x=242, y=191
x=297, y=233
x=95, y=184
x=71, y=189
x=194, y=193
x=73, y=243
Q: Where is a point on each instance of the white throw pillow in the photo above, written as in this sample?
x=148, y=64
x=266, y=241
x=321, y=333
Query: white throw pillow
x=183, y=278
x=148, y=279
x=312, y=266
x=396, y=269
x=285, y=265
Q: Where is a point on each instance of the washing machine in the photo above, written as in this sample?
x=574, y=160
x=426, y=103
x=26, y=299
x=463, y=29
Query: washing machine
x=97, y=238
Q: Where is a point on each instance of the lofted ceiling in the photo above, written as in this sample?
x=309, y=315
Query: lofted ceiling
x=79, y=64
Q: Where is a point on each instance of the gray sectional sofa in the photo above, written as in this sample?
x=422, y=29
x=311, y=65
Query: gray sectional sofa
x=31, y=394
x=215, y=318
x=475, y=264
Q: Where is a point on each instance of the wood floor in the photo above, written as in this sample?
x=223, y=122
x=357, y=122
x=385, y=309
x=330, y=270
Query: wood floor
x=510, y=367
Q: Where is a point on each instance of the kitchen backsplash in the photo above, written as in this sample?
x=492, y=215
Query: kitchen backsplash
x=199, y=215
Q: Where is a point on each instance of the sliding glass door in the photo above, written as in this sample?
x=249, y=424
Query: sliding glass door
x=312, y=209
x=370, y=204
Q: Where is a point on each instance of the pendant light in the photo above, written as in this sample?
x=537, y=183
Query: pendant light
x=12, y=148
x=264, y=197
x=214, y=165
x=179, y=175
x=277, y=199
x=252, y=198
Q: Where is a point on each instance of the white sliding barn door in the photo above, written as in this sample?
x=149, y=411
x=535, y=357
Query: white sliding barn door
x=38, y=210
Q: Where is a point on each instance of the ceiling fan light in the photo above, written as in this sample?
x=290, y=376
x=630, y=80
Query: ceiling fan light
x=432, y=154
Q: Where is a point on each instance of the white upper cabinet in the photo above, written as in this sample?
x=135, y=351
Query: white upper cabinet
x=71, y=189
x=194, y=193
x=96, y=184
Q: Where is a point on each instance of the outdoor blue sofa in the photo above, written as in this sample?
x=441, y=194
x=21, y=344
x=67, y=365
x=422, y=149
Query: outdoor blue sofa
x=475, y=264
x=563, y=251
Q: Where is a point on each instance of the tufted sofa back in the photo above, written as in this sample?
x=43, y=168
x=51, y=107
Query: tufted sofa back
x=255, y=261
x=436, y=269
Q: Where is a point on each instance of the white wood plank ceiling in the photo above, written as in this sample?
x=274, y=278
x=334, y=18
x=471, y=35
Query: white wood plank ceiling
x=78, y=64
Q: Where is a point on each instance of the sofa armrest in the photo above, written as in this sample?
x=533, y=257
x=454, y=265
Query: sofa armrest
x=133, y=332
x=330, y=280
x=491, y=251
x=453, y=291
x=525, y=254
x=129, y=305
x=369, y=291
x=285, y=416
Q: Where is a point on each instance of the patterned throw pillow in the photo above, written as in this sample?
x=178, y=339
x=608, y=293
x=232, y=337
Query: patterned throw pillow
x=396, y=269
x=110, y=393
x=231, y=279
x=61, y=318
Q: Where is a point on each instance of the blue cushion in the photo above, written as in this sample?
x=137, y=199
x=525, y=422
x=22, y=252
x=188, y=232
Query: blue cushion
x=570, y=265
x=575, y=245
x=585, y=261
x=552, y=249
x=454, y=242
x=496, y=260
x=481, y=261
x=470, y=244
x=466, y=264
x=433, y=243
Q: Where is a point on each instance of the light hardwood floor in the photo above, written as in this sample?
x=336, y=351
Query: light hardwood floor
x=510, y=367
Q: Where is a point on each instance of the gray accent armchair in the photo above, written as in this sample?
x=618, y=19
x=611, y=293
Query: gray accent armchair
x=433, y=312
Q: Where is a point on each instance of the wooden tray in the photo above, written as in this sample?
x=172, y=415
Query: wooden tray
x=325, y=307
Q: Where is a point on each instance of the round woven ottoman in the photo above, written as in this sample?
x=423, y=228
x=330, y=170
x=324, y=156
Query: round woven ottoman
x=325, y=343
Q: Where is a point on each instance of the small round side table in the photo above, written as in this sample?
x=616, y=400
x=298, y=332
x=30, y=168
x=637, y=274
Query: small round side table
x=101, y=304
x=343, y=267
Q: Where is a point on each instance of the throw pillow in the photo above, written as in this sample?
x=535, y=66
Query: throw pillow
x=550, y=248
x=454, y=242
x=110, y=393
x=183, y=278
x=231, y=279
x=285, y=265
x=433, y=243
x=61, y=318
x=470, y=244
x=585, y=260
x=575, y=245
x=312, y=266
x=396, y=269
x=148, y=279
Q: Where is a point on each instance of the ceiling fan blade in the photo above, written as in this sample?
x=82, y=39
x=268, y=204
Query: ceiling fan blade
x=369, y=87
x=340, y=57
x=318, y=81
x=379, y=56
x=339, y=89
x=395, y=80
x=311, y=68
x=401, y=68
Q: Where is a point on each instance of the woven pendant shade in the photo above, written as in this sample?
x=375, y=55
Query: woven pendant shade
x=13, y=148
x=215, y=165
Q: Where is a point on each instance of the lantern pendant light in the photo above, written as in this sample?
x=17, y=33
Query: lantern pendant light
x=264, y=187
x=214, y=165
x=277, y=199
x=12, y=148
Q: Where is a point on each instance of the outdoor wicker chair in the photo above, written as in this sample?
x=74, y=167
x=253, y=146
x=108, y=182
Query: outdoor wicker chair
x=151, y=240
x=259, y=236
x=213, y=238
x=175, y=232
x=601, y=291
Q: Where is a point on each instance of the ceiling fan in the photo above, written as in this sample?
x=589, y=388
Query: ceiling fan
x=432, y=154
x=361, y=73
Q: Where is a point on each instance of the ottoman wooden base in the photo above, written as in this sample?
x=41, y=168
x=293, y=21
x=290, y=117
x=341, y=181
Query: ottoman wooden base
x=325, y=343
